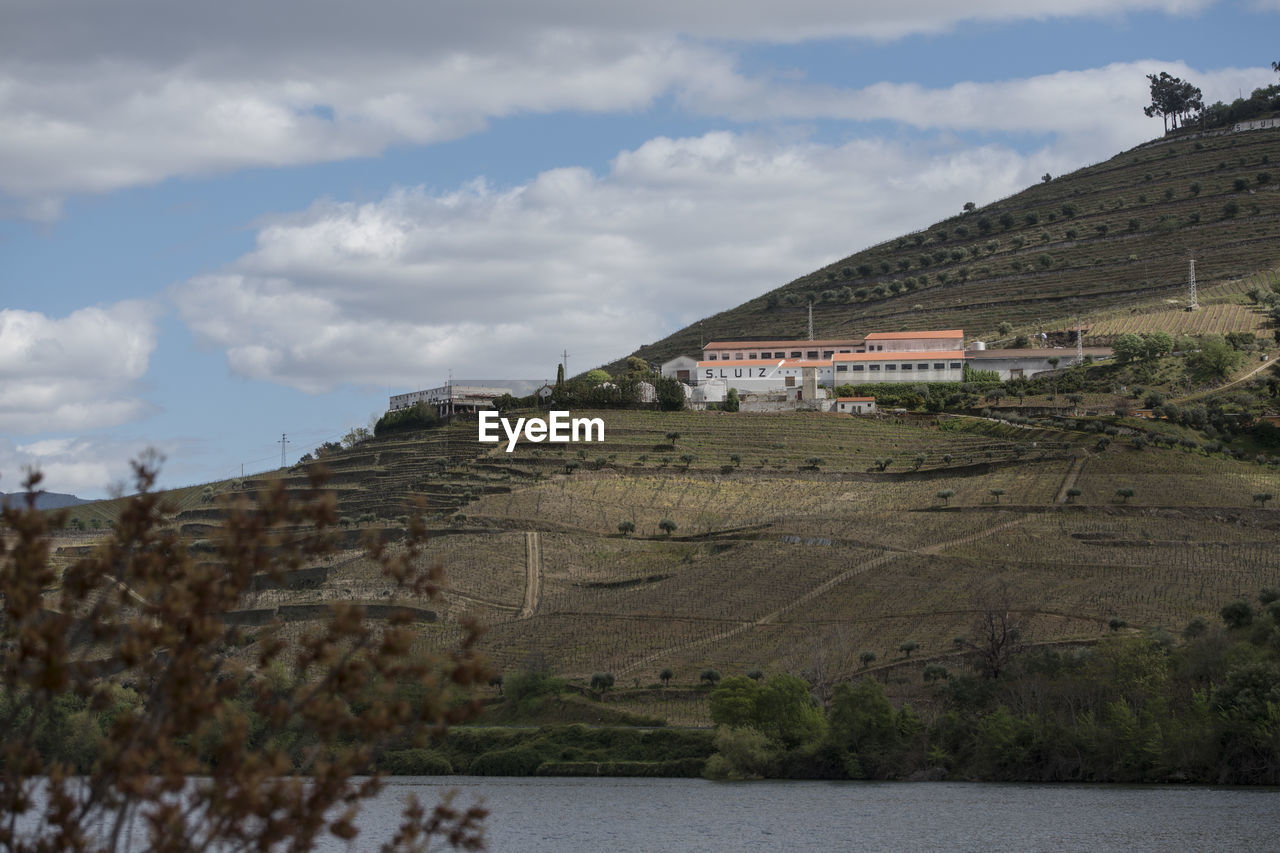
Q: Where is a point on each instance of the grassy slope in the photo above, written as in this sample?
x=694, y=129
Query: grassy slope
x=1045, y=274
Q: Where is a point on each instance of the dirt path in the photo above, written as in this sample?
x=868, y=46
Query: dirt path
x=1073, y=476
x=533, y=569
x=821, y=588
x=1197, y=395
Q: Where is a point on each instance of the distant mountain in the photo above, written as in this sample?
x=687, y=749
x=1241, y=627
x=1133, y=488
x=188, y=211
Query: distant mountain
x=45, y=500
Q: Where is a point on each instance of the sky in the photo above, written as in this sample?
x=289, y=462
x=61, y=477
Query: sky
x=224, y=223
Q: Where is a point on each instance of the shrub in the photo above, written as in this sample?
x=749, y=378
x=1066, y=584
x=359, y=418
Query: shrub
x=414, y=762
x=207, y=734
x=516, y=761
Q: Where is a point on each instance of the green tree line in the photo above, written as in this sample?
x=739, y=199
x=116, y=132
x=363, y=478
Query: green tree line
x=1137, y=707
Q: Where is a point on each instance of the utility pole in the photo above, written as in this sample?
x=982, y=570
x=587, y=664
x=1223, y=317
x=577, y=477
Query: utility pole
x=1079, y=343
x=1191, y=285
x=811, y=320
x=283, y=441
x=564, y=359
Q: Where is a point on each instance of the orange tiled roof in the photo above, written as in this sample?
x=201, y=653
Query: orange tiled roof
x=842, y=342
x=904, y=336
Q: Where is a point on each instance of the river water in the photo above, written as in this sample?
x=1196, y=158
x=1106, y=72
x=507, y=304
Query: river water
x=531, y=815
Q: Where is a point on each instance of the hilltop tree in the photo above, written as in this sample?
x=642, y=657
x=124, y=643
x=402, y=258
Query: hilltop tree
x=866, y=659
x=559, y=375
x=626, y=528
x=946, y=495
x=192, y=744
x=668, y=526
x=665, y=676
x=638, y=368
x=1172, y=98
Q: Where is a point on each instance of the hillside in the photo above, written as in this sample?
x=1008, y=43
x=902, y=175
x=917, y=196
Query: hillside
x=1101, y=243
x=798, y=555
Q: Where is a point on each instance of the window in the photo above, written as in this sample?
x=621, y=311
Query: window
x=874, y=367
x=791, y=382
x=957, y=365
x=738, y=356
x=856, y=368
x=711, y=356
x=841, y=368
x=813, y=353
x=828, y=354
x=938, y=365
x=924, y=365
x=907, y=366
x=751, y=356
x=766, y=355
x=795, y=354
x=880, y=348
x=891, y=367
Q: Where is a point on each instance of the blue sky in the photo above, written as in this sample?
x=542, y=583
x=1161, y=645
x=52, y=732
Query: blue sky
x=224, y=222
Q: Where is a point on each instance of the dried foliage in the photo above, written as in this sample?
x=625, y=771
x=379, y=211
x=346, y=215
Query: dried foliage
x=195, y=736
x=997, y=632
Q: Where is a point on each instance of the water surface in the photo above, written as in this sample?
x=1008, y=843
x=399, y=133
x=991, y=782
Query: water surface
x=641, y=815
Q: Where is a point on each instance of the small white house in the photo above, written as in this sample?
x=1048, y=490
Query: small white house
x=856, y=405
x=682, y=367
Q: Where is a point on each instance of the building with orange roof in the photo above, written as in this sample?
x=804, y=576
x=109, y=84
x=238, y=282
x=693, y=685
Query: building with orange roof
x=949, y=339
x=856, y=405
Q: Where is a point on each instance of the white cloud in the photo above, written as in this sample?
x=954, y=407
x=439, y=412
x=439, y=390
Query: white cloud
x=95, y=97
x=495, y=282
x=74, y=373
x=88, y=467
x=1101, y=105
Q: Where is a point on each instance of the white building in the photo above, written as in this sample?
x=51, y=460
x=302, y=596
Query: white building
x=682, y=367
x=925, y=366
x=856, y=405
x=756, y=377
x=1014, y=363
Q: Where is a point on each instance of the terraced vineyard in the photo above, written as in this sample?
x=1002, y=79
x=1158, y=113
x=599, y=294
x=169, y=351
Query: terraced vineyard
x=1101, y=240
x=776, y=563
